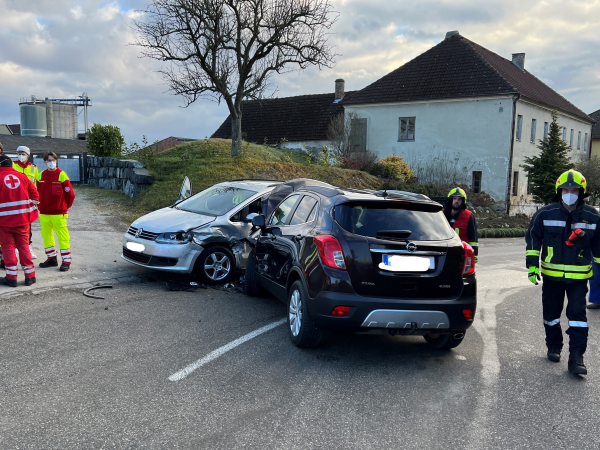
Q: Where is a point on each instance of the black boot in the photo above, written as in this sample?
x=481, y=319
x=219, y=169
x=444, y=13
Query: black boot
x=6, y=282
x=576, y=365
x=50, y=262
x=64, y=267
x=2, y=265
x=30, y=281
x=554, y=354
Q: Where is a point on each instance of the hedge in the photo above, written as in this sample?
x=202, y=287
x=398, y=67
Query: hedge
x=501, y=232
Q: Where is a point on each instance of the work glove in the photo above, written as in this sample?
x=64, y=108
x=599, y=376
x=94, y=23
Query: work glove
x=476, y=259
x=534, y=275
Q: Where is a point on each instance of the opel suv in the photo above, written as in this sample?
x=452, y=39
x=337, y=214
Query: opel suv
x=366, y=261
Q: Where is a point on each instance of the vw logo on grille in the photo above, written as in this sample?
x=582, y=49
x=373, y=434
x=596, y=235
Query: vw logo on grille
x=411, y=247
x=139, y=232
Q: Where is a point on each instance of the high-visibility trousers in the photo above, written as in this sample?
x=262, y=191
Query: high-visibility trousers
x=51, y=224
x=17, y=238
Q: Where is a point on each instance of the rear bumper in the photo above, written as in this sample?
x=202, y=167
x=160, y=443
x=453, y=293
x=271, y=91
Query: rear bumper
x=388, y=313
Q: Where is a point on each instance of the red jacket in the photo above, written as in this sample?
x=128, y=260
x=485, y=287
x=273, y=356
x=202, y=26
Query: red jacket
x=18, y=199
x=56, y=192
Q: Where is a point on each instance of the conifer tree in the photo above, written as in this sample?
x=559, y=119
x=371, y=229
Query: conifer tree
x=544, y=169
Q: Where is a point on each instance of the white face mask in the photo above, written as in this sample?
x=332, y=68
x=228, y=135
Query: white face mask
x=23, y=158
x=570, y=199
x=51, y=164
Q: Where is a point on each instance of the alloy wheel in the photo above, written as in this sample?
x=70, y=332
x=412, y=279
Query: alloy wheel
x=295, y=314
x=217, y=266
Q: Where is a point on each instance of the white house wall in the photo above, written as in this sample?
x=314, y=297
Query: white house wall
x=522, y=202
x=478, y=130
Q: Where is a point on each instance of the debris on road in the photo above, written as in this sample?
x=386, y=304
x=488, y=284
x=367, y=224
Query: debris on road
x=186, y=286
x=102, y=286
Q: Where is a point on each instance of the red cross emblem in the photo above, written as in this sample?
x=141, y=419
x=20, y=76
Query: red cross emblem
x=11, y=181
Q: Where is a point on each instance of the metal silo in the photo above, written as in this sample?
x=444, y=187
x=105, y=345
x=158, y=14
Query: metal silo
x=33, y=118
x=64, y=123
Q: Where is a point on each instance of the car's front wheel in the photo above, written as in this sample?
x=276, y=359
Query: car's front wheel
x=445, y=341
x=215, y=265
x=302, y=331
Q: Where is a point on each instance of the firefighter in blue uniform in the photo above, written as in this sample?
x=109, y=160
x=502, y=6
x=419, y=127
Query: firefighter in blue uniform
x=563, y=235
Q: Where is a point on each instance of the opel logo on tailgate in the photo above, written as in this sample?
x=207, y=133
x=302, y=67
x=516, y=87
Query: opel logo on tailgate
x=139, y=232
x=411, y=247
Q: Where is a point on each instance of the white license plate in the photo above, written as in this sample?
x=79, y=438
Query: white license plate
x=401, y=263
x=135, y=247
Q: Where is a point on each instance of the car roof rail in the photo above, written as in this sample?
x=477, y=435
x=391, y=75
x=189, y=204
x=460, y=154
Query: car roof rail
x=323, y=190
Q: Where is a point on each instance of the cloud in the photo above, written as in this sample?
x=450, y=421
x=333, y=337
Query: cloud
x=65, y=47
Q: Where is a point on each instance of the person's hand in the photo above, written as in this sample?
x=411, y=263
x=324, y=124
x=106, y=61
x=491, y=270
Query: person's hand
x=534, y=275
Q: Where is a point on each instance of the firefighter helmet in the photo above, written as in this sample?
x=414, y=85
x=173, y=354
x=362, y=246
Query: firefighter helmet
x=571, y=179
x=457, y=192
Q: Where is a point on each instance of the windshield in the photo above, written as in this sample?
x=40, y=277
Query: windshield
x=216, y=200
x=366, y=219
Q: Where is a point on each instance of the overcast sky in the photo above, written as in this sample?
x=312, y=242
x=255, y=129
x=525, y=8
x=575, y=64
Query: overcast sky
x=61, y=48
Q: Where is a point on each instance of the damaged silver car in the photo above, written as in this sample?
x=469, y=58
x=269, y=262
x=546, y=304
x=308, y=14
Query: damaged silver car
x=203, y=234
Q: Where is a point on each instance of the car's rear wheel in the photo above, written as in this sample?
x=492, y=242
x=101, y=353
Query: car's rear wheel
x=215, y=265
x=445, y=341
x=302, y=331
x=251, y=285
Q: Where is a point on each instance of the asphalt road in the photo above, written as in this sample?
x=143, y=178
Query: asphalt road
x=84, y=373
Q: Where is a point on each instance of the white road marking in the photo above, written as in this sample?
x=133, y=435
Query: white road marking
x=222, y=350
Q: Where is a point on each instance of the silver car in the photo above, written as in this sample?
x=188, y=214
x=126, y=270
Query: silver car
x=203, y=234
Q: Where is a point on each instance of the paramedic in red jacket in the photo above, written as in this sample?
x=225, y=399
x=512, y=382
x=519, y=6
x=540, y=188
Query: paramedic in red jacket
x=18, y=200
x=461, y=219
x=56, y=197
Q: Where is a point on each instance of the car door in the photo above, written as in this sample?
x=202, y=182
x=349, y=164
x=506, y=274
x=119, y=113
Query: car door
x=287, y=247
x=270, y=248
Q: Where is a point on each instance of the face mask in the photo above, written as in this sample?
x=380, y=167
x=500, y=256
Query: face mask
x=570, y=199
x=51, y=164
x=23, y=158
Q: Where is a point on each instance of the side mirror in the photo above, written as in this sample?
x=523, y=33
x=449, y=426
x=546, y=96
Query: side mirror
x=250, y=217
x=258, y=221
x=186, y=190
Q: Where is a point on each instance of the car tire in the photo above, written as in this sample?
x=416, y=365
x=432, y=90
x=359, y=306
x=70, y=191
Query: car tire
x=215, y=265
x=302, y=331
x=251, y=285
x=444, y=341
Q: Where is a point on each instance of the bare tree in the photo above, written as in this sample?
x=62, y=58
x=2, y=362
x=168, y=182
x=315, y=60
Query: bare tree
x=338, y=132
x=228, y=49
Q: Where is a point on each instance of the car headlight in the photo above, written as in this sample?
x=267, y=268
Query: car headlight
x=178, y=237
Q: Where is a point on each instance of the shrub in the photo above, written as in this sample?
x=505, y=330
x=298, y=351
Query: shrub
x=360, y=161
x=105, y=140
x=392, y=167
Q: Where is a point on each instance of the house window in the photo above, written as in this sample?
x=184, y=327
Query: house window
x=515, y=187
x=358, y=135
x=477, y=181
x=571, y=141
x=579, y=141
x=585, y=142
x=565, y=134
x=545, y=130
x=533, y=124
x=519, y=127
x=407, y=129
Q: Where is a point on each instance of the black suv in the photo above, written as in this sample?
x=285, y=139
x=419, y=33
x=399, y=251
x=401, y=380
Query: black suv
x=365, y=261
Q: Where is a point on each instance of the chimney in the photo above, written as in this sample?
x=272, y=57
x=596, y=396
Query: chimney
x=339, y=88
x=518, y=59
x=451, y=33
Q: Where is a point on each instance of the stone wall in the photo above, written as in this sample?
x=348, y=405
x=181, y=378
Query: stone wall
x=126, y=175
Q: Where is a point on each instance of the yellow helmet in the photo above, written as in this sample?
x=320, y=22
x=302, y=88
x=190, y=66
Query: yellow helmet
x=457, y=192
x=571, y=178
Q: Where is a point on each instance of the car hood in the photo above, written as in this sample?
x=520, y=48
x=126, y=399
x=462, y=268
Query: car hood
x=171, y=219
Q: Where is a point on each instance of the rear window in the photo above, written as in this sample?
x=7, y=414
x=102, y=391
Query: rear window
x=425, y=223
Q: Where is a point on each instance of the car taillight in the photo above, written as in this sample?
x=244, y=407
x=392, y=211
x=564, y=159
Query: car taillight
x=469, y=265
x=330, y=251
